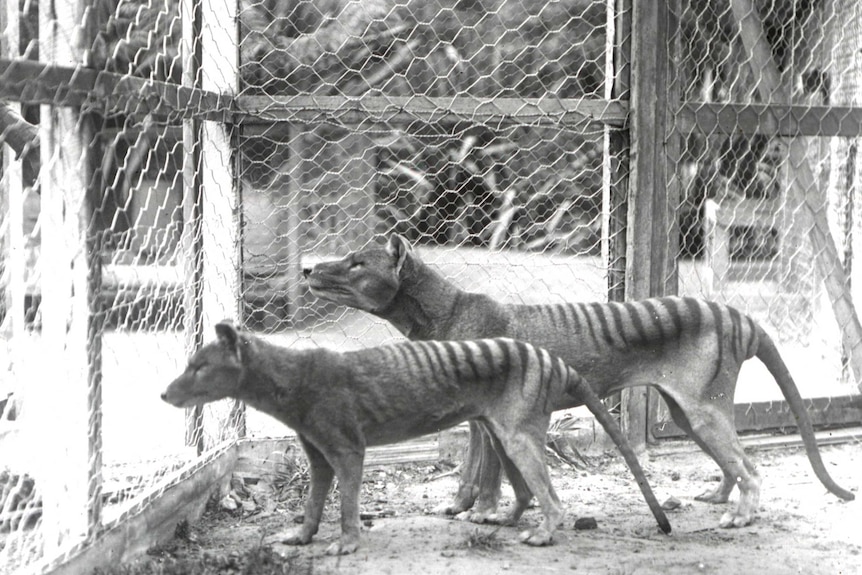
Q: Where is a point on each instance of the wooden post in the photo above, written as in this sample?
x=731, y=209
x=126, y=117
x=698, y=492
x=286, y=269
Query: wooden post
x=617, y=146
x=65, y=409
x=13, y=204
x=803, y=187
x=192, y=199
x=615, y=167
x=220, y=218
x=652, y=239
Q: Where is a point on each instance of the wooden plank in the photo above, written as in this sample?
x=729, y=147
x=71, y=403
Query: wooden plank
x=616, y=164
x=107, y=92
x=264, y=455
x=617, y=145
x=153, y=518
x=220, y=209
x=761, y=441
x=803, y=188
x=12, y=200
x=66, y=397
x=192, y=248
x=771, y=119
x=582, y=113
x=651, y=243
x=776, y=415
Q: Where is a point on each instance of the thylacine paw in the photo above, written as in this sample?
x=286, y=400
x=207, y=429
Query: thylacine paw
x=298, y=536
x=735, y=519
x=344, y=546
x=536, y=537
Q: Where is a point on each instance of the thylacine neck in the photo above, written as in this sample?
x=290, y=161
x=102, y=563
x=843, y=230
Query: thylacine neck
x=424, y=300
x=271, y=375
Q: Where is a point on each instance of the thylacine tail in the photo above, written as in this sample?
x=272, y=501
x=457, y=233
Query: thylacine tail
x=578, y=387
x=767, y=353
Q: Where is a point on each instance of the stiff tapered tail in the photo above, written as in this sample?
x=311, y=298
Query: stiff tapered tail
x=768, y=354
x=580, y=388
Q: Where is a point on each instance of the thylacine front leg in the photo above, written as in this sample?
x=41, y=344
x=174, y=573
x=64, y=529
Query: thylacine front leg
x=348, y=463
x=321, y=480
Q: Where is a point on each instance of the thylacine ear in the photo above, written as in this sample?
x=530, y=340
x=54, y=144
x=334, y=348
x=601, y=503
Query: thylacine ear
x=228, y=336
x=399, y=248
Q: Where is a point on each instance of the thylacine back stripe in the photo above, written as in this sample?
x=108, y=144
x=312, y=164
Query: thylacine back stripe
x=654, y=319
x=719, y=330
x=488, y=355
x=505, y=353
x=735, y=331
x=475, y=359
x=438, y=353
x=619, y=325
x=674, y=311
x=426, y=356
x=580, y=316
x=634, y=311
x=552, y=314
x=452, y=355
x=523, y=358
x=571, y=317
x=417, y=358
x=598, y=310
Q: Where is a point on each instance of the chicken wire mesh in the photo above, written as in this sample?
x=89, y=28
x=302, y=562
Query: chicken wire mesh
x=493, y=174
x=491, y=134
x=100, y=238
x=758, y=179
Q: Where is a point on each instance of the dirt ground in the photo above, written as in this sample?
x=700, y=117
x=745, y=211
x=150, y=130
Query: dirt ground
x=801, y=528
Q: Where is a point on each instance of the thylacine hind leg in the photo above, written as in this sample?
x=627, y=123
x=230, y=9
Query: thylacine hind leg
x=523, y=444
x=711, y=426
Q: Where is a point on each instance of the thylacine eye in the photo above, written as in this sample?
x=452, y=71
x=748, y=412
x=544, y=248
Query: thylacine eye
x=355, y=265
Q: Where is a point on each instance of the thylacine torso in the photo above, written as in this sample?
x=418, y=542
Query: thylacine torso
x=340, y=403
x=690, y=350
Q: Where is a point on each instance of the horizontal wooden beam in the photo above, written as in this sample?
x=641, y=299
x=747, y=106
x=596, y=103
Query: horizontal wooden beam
x=769, y=120
x=560, y=112
x=776, y=415
x=108, y=93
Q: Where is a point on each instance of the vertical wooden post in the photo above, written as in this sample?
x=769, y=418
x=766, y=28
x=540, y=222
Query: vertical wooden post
x=192, y=199
x=13, y=192
x=66, y=416
x=652, y=240
x=211, y=207
x=220, y=217
x=615, y=167
x=617, y=145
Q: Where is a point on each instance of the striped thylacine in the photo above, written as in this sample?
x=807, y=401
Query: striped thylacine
x=690, y=350
x=340, y=403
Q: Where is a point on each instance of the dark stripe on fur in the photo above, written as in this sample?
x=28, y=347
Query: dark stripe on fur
x=617, y=316
x=655, y=319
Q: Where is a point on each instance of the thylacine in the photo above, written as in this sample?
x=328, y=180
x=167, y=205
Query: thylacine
x=340, y=403
x=690, y=350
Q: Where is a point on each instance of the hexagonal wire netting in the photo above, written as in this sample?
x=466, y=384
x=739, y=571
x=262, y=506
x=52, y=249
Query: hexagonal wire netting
x=494, y=135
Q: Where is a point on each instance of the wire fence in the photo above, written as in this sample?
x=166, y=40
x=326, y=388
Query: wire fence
x=169, y=163
x=766, y=177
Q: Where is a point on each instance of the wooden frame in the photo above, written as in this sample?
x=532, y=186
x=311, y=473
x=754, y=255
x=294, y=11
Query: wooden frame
x=68, y=397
